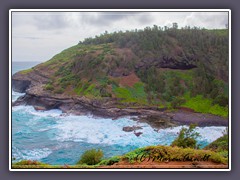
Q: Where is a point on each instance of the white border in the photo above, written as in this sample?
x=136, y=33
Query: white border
x=119, y=10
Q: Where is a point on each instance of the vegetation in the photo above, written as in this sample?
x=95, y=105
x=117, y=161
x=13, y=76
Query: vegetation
x=187, y=138
x=49, y=87
x=26, y=71
x=91, y=157
x=131, y=94
x=185, y=67
x=150, y=153
x=168, y=153
x=205, y=105
x=110, y=161
x=220, y=145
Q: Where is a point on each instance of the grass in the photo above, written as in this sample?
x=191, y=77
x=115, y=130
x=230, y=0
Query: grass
x=26, y=71
x=131, y=94
x=204, y=105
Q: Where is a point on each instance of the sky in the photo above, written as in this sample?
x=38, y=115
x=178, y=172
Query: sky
x=38, y=36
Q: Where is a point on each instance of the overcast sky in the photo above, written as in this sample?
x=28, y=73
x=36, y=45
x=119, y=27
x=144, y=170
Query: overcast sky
x=37, y=36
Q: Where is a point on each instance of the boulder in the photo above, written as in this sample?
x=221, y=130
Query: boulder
x=131, y=128
x=39, y=108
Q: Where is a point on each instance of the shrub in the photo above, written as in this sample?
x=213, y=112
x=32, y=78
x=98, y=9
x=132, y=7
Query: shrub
x=110, y=161
x=91, y=157
x=29, y=162
x=187, y=138
x=59, y=91
x=49, y=87
x=219, y=145
x=177, y=102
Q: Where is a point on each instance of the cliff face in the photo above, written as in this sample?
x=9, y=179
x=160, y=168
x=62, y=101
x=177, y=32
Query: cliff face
x=117, y=77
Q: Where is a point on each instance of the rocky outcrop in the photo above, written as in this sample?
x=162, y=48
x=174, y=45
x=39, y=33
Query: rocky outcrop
x=131, y=128
x=32, y=84
x=167, y=62
x=20, y=85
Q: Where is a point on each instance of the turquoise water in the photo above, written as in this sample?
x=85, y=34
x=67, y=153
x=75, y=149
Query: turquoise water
x=54, y=138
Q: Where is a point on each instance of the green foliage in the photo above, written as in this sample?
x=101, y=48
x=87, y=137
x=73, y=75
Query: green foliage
x=187, y=138
x=220, y=145
x=26, y=71
x=110, y=161
x=131, y=94
x=88, y=89
x=204, y=105
x=176, y=102
x=168, y=153
x=59, y=90
x=133, y=155
x=28, y=162
x=91, y=157
x=49, y=87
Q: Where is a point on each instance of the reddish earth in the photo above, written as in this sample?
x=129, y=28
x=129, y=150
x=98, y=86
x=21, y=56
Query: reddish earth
x=129, y=80
x=169, y=165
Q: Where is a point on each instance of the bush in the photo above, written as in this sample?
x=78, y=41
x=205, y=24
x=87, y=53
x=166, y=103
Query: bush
x=59, y=91
x=187, y=138
x=219, y=145
x=49, y=87
x=29, y=162
x=110, y=161
x=177, y=102
x=91, y=157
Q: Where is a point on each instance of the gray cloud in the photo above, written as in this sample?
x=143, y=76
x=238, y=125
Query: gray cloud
x=27, y=37
x=207, y=20
x=50, y=22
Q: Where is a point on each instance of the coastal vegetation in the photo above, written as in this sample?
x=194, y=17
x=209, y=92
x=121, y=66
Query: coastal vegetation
x=153, y=67
x=151, y=153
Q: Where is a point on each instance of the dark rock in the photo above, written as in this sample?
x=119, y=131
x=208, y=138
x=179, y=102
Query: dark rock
x=158, y=121
x=131, y=128
x=20, y=85
x=138, y=133
x=187, y=118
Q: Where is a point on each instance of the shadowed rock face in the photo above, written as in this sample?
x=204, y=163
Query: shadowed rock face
x=20, y=85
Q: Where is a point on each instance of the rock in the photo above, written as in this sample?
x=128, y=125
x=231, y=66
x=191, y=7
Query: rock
x=20, y=85
x=39, y=108
x=137, y=133
x=131, y=128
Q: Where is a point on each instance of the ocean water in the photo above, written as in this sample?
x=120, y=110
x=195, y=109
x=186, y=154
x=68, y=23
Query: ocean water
x=54, y=138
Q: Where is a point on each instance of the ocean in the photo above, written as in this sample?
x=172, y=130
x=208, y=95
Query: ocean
x=55, y=139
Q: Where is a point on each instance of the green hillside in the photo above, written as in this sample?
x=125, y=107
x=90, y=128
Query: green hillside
x=165, y=68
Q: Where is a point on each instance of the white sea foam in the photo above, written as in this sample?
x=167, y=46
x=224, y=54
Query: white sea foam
x=16, y=95
x=32, y=111
x=32, y=154
x=107, y=131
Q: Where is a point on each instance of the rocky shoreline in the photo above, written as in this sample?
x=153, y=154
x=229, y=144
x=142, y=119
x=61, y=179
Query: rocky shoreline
x=105, y=107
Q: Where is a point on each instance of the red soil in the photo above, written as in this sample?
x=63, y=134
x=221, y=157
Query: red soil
x=129, y=80
x=170, y=165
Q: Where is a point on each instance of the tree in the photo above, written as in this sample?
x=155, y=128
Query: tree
x=187, y=138
x=175, y=25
